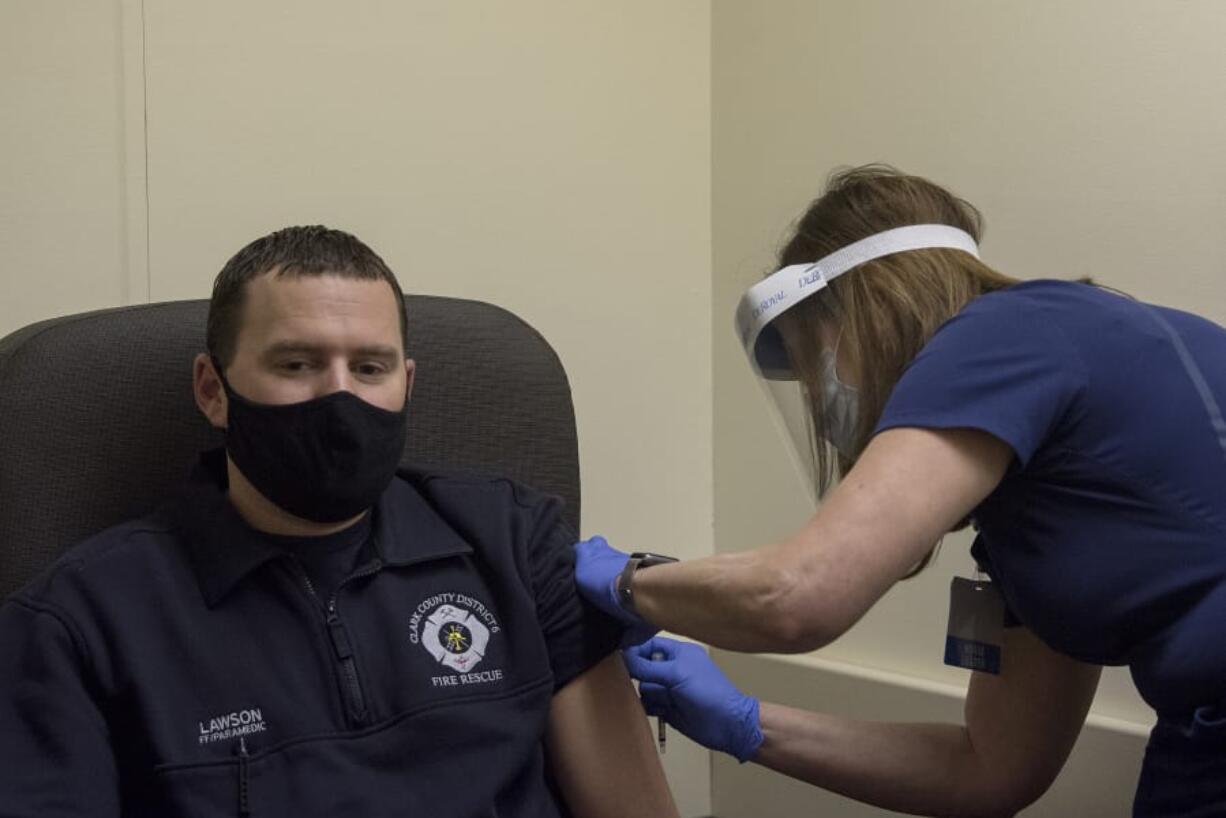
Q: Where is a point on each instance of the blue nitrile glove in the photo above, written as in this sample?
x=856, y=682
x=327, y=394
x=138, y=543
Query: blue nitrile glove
x=597, y=567
x=693, y=695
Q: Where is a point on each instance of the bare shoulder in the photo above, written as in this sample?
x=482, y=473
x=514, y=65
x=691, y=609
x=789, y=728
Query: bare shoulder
x=599, y=739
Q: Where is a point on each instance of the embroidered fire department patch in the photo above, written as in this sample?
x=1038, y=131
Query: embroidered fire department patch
x=455, y=629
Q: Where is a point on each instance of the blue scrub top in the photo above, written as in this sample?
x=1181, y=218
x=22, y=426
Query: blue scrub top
x=1107, y=535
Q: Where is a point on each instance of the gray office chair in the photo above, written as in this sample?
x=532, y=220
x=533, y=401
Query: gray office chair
x=98, y=424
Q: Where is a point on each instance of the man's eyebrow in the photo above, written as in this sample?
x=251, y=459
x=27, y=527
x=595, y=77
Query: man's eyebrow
x=378, y=351
x=305, y=347
x=284, y=347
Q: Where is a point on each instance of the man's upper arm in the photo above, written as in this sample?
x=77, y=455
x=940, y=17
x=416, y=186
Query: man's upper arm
x=54, y=743
x=577, y=635
x=1023, y=723
x=601, y=749
x=600, y=745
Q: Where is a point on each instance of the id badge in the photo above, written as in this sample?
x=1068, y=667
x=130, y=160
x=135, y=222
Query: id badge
x=976, y=625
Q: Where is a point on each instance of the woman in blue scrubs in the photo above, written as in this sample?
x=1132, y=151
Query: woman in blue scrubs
x=1081, y=432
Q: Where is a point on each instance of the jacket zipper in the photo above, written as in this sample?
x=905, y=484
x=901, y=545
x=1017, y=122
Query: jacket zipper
x=342, y=648
x=244, y=804
x=344, y=654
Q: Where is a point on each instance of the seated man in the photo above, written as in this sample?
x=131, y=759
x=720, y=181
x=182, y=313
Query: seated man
x=307, y=630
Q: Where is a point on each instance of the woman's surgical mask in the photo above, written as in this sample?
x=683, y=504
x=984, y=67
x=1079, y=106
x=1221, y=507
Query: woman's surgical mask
x=840, y=404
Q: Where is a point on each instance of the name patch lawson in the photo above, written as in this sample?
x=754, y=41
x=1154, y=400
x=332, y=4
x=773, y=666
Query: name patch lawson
x=232, y=725
x=455, y=629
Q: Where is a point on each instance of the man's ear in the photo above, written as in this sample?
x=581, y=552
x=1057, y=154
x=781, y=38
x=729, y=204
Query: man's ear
x=209, y=393
x=410, y=369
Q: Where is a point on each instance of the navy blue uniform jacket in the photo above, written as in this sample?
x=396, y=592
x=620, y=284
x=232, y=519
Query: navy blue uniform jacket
x=182, y=665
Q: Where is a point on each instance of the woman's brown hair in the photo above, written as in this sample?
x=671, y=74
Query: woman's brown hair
x=885, y=310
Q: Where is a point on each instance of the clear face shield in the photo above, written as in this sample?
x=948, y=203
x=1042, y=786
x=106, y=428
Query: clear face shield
x=795, y=388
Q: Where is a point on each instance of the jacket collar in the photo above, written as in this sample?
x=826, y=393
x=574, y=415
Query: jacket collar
x=224, y=549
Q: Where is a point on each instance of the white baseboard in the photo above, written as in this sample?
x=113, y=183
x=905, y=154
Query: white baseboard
x=1098, y=780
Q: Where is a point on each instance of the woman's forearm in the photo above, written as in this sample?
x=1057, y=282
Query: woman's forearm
x=907, y=489
x=924, y=769
x=741, y=601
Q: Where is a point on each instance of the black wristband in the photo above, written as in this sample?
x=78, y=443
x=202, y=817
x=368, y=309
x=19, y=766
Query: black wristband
x=625, y=582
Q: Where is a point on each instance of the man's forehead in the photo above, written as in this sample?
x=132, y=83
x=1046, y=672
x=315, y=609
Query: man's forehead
x=283, y=305
x=281, y=286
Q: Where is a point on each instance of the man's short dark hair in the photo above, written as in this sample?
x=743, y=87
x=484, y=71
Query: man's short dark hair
x=294, y=251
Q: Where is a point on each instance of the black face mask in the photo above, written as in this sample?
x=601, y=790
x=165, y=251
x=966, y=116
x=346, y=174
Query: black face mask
x=326, y=460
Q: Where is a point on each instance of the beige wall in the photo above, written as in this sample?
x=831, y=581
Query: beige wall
x=550, y=157
x=63, y=193
x=1090, y=133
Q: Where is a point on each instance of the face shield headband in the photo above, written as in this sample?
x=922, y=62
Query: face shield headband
x=782, y=290
x=791, y=401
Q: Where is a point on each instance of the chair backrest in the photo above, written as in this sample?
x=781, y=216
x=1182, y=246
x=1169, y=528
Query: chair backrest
x=98, y=424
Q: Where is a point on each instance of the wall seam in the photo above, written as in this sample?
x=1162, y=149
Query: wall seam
x=137, y=280
x=144, y=85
